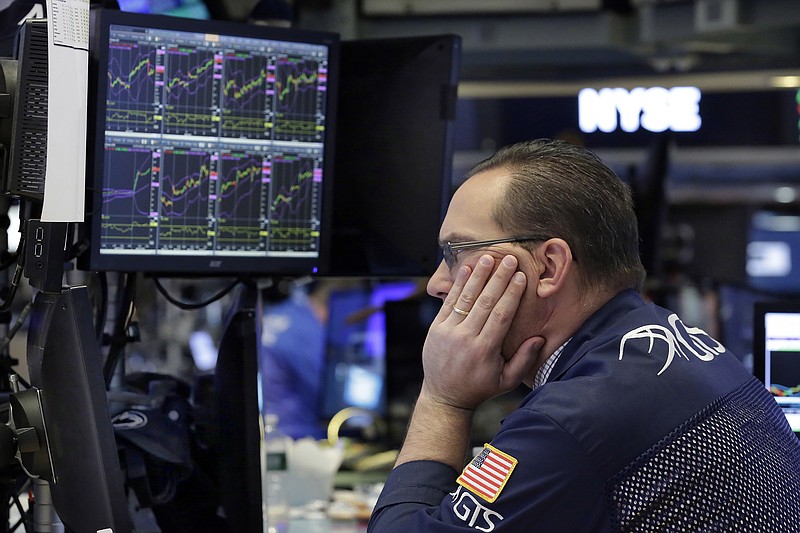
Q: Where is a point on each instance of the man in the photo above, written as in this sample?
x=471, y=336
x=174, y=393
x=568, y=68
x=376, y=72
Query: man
x=635, y=422
x=293, y=342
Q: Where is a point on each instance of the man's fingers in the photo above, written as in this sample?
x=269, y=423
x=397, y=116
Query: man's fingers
x=450, y=300
x=473, y=287
x=522, y=362
x=504, y=296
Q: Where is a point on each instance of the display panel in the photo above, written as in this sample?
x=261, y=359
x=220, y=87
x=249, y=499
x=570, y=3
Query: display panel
x=773, y=251
x=776, y=354
x=213, y=146
x=354, y=374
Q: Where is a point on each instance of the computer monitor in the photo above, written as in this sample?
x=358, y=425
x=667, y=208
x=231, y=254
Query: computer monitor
x=773, y=251
x=354, y=373
x=776, y=354
x=195, y=9
x=211, y=146
x=395, y=137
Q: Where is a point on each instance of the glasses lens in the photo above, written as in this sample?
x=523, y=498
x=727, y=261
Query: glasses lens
x=447, y=254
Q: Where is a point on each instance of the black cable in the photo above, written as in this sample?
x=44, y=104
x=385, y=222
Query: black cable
x=102, y=310
x=188, y=306
x=7, y=362
x=12, y=291
x=23, y=315
x=10, y=259
x=118, y=336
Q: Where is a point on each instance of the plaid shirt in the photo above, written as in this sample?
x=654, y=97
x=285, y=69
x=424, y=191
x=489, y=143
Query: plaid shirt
x=544, y=372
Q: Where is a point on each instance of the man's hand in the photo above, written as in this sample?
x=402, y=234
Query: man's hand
x=463, y=362
x=462, y=356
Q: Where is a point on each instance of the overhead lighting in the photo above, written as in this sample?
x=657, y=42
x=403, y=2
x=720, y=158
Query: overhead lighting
x=785, y=82
x=785, y=195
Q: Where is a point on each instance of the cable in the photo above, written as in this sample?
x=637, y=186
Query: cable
x=12, y=291
x=194, y=305
x=102, y=311
x=10, y=259
x=23, y=315
x=118, y=337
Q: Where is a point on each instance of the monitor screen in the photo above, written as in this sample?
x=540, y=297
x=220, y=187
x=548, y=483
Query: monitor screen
x=176, y=8
x=354, y=373
x=776, y=354
x=213, y=146
x=773, y=251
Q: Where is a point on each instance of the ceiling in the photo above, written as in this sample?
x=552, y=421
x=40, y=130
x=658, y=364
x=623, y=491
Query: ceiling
x=531, y=48
x=534, y=47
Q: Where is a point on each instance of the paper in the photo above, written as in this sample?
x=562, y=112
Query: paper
x=67, y=87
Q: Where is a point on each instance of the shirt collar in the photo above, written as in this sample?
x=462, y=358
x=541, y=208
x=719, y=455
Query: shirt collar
x=544, y=371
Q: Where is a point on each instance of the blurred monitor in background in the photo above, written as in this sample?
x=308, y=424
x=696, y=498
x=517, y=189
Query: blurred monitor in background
x=773, y=251
x=355, y=367
x=176, y=8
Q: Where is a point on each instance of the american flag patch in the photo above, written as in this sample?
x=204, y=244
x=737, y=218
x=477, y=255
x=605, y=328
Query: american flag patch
x=487, y=473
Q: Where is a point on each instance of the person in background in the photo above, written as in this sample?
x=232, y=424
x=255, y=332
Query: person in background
x=635, y=421
x=293, y=354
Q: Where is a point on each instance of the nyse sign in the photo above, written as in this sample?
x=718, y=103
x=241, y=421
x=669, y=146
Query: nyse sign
x=654, y=109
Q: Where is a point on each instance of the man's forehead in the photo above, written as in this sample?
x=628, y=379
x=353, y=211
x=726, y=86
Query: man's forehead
x=469, y=216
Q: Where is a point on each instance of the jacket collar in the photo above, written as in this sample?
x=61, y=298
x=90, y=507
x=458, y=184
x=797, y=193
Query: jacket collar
x=610, y=312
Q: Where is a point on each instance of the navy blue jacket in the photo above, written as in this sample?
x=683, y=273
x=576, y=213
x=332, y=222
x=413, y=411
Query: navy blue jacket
x=631, y=379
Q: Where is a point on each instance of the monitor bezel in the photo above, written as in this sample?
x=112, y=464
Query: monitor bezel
x=201, y=264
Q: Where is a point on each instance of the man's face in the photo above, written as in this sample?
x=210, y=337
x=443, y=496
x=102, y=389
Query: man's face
x=469, y=218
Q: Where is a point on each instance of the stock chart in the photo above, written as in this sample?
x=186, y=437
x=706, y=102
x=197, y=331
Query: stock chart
x=295, y=185
x=247, y=108
x=212, y=144
x=132, y=99
x=298, y=86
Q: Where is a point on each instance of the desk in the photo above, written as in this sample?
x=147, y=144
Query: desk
x=325, y=525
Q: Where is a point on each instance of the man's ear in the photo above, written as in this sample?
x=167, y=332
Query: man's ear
x=556, y=256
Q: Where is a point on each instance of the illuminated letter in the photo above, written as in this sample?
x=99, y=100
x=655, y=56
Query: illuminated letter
x=629, y=105
x=596, y=110
x=684, y=107
x=655, y=111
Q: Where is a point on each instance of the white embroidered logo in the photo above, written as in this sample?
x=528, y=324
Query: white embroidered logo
x=468, y=509
x=682, y=340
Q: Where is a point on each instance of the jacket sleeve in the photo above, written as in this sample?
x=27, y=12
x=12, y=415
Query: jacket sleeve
x=552, y=487
x=409, y=488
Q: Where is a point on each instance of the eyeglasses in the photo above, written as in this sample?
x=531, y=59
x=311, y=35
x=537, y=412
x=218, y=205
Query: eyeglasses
x=450, y=250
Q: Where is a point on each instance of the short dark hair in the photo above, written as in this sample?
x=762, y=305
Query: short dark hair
x=562, y=190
